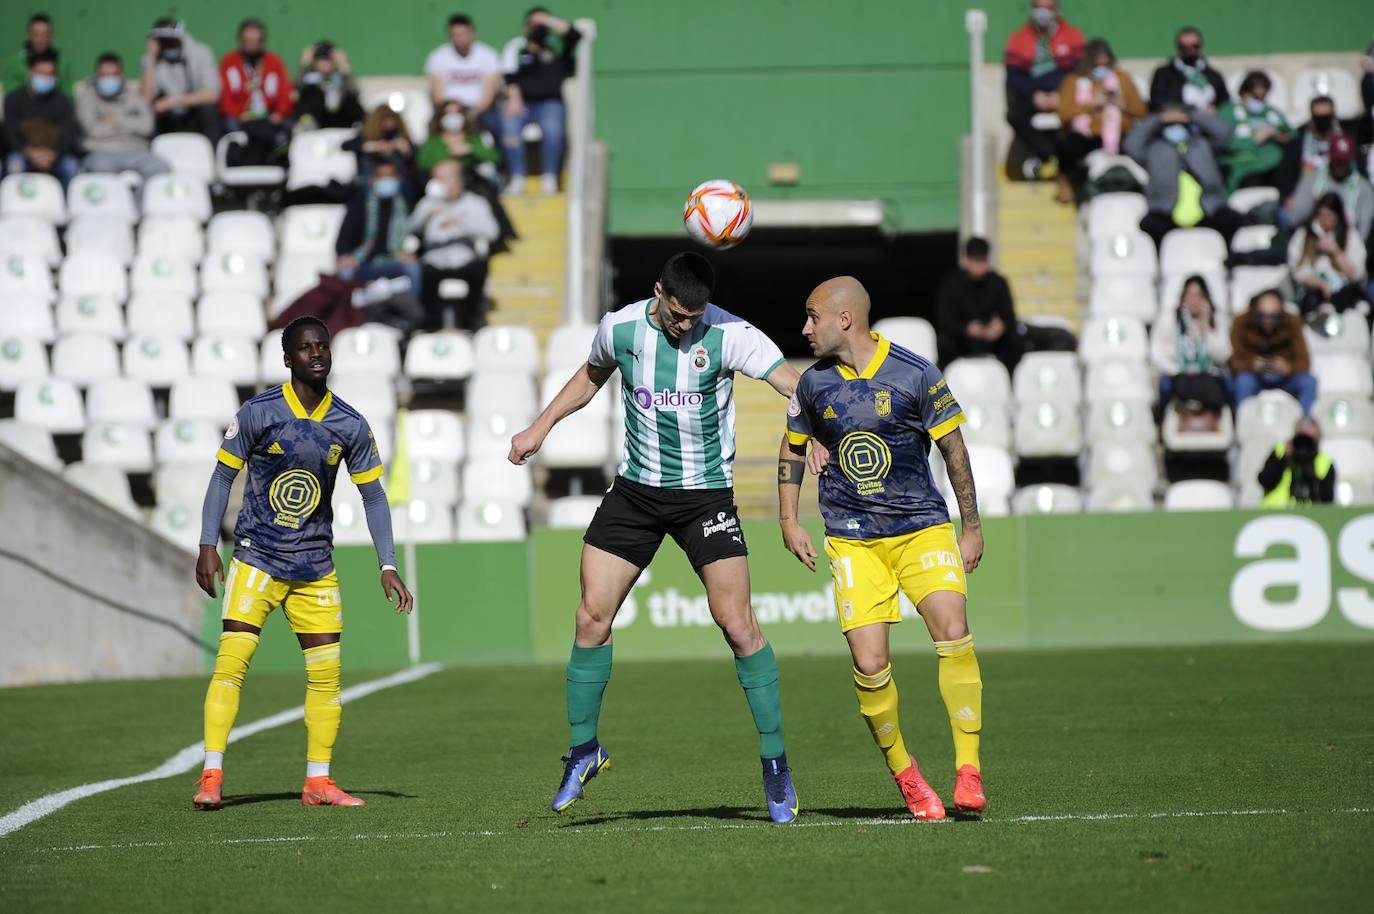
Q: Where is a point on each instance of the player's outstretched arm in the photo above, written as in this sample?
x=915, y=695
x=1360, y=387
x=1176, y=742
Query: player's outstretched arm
x=209, y=568
x=577, y=393
x=378, y=513
x=784, y=379
x=961, y=479
x=791, y=471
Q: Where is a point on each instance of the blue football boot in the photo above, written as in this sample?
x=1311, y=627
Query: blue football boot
x=577, y=771
x=778, y=790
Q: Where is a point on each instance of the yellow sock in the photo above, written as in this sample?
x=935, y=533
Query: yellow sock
x=222, y=697
x=322, y=708
x=878, y=704
x=961, y=686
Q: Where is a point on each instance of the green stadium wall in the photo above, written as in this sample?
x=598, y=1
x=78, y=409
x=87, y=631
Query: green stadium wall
x=868, y=98
x=1045, y=582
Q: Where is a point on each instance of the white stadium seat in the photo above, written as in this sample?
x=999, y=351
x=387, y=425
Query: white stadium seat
x=30, y=235
x=210, y=399
x=53, y=404
x=295, y=274
x=423, y=522
x=26, y=274
x=372, y=395
x=21, y=359
x=1048, y=428
x=105, y=483
x=1250, y=238
x=162, y=313
x=29, y=317
x=36, y=195
x=1246, y=282
x=317, y=157
x=1353, y=459
x=1344, y=332
x=1047, y=499
x=1344, y=373
x=103, y=195
x=913, y=333
x=178, y=523
x=243, y=231
x=1052, y=376
x=98, y=314
x=116, y=444
x=489, y=433
x=1124, y=421
x=573, y=512
x=1244, y=199
x=125, y=400
x=1343, y=416
x=979, y=380
x=187, y=153
x=568, y=348
x=1123, y=294
x=271, y=367
x=232, y=271
x=311, y=229
x=164, y=273
x=182, y=482
x=986, y=425
x=171, y=236
x=1118, y=462
x=509, y=392
x=1177, y=439
x=232, y=358
x=32, y=441
x=506, y=348
x=1114, y=214
x=435, y=434
x=445, y=355
x=366, y=350
x=1113, y=339
x=1267, y=418
x=496, y=477
x=159, y=360
x=85, y=357
x=1120, y=495
x=434, y=481
x=1340, y=85
x=350, y=521
x=1127, y=253
x=490, y=520
x=581, y=440
x=233, y=313
x=100, y=233
x=177, y=195
x=93, y=273
x=187, y=440
x=1192, y=250
x=1099, y=161
x=1198, y=495
x=992, y=468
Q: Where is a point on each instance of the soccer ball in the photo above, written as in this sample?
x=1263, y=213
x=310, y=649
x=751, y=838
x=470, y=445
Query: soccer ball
x=718, y=214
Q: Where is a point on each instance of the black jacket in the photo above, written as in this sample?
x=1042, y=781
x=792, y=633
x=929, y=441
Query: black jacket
x=1166, y=88
x=961, y=300
x=28, y=117
x=540, y=75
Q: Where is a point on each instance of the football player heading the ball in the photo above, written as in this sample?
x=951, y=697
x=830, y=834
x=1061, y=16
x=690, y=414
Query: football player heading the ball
x=677, y=355
x=877, y=407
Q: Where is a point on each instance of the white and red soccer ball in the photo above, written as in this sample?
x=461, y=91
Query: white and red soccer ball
x=718, y=214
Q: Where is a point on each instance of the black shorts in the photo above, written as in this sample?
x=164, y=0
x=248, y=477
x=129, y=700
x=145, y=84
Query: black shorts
x=633, y=519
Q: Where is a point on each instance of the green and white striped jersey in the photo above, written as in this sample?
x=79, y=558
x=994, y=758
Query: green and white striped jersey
x=679, y=398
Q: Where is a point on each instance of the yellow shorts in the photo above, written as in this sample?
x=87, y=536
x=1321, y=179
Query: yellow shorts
x=312, y=607
x=867, y=573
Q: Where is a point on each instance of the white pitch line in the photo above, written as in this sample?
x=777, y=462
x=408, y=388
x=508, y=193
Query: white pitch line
x=192, y=755
x=703, y=826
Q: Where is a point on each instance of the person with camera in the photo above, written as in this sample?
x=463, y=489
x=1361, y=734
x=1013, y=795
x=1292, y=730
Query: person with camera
x=1299, y=472
x=1327, y=260
x=536, y=64
x=326, y=93
x=181, y=81
x=1268, y=351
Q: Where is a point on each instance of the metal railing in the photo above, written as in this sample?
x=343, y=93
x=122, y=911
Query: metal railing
x=577, y=289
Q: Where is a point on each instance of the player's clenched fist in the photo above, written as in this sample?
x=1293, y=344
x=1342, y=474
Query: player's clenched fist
x=525, y=445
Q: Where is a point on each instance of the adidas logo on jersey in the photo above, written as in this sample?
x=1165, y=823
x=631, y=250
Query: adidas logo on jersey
x=829, y=413
x=275, y=448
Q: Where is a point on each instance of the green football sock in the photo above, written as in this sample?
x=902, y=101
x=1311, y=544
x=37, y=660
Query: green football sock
x=589, y=669
x=758, y=675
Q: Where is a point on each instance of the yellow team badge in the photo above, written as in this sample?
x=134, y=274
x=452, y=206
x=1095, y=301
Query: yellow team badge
x=335, y=452
x=882, y=402
x=294, y=495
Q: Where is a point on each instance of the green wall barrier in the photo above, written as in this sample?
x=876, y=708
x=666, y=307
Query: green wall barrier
x=869, y=98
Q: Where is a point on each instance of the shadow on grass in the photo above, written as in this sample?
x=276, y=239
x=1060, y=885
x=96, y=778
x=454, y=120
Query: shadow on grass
x=248, y=799
x=724, y=813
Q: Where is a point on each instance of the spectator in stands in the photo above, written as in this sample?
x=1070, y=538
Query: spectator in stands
x=116, y=122
x=1178, y=147
x=466, y=71
x=536, y=64
x=1037, y=58
x=1259, y=133
x=1189, y=347
x=181, y=81
x=255, y=96
x=372, y=238
x=384, y=136
x=1309, y=148
x=1268, y=351
x=326, y=93
x=456, y=228
x=40, y=127
x=454, y=135
x=1338, y=176
x=1327, y=258
x=1098, y=105
x=974, y=314
x=37, y=37
x=1299, y=472
x=1187, y=80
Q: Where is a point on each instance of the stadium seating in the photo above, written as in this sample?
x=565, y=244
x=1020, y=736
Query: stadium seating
x=36, y=195
x=172, y=236
x=369, y=349
x=231, y=358
x=506, y=348
x=1198, y=495
x=573, y=512
x=118, y=444
x=107, y=483
x=232, y=313
x=188, y=154
x=1047, y=499
x=167, y=314
x=20, y=234
x=175, y=194
x=53, y=404
x=84, y=358
x=444, y=356
x=21, y=359
x=159, y=360
x=33, y=441
x=92, y=314
x=913, y=333
x=123, y=400
x=101, y=196
x=91, y=272
x=26, y=274
x=30, y=318
x=490, y=520
x=318, y=158
x=104, y=234
x=187, y=441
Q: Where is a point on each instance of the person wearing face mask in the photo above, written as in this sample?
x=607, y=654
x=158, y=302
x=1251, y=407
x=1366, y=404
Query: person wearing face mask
x=1269, y=352
x=1327, y=259
x=255, y=95
x=1299, y=472
x=974, y=314
x=456, y=228
x=1189, y=347
x=1037, y=58
x=1259, y=133
x=1187, y=79
x=1177, y=147
x=326, y=93
x=1098, y=104
x=116, y=122
x=40, y=126
x=454, y=134
x=38, y=36
x=181, y=81
x=466, y=71
x=536, y=64
x=372, y=240
x=1309, y=150
x=1337, y=176
x=384, y=135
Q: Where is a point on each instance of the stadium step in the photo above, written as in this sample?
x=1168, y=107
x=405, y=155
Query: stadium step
x=1036, y=249
x=760, y=419
x=526, y=283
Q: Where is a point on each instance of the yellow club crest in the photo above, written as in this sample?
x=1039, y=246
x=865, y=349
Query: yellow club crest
x=335, y=451
x=882, y=402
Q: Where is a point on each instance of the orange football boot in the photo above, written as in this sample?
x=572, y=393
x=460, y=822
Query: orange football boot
x=968, y=791
x=322, y=791
x=209, y=789
x=923, y=802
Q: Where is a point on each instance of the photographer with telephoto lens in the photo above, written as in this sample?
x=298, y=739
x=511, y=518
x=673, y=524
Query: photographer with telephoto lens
x=1299, y=472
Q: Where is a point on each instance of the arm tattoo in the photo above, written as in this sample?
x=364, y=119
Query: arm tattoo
x=961, y=477
x=791, y=472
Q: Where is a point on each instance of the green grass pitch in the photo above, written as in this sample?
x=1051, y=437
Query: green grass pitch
x=1182, y=779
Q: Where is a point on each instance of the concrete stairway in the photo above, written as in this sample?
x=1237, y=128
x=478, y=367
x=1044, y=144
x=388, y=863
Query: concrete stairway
x=1036, y=249
x=526, y=283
